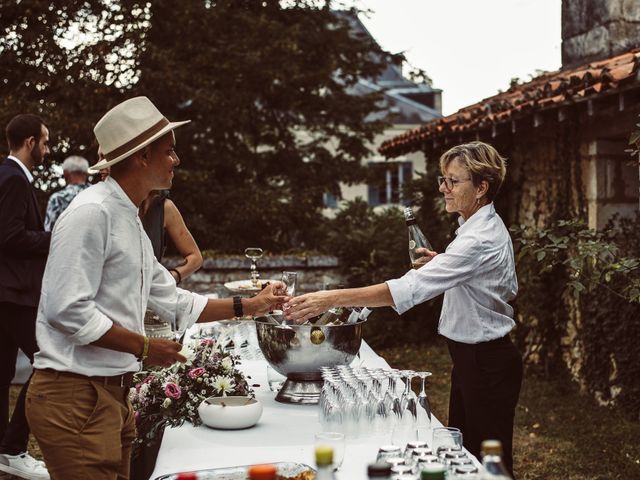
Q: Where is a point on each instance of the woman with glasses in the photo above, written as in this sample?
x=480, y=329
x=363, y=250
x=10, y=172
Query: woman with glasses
x=477, y=275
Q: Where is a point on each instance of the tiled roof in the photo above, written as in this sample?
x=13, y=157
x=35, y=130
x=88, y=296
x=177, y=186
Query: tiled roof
x=558, y=88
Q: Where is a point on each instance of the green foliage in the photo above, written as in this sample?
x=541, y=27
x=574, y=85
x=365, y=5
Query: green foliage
x=371, y=246
x=44, y=70
x=274, y=125
x=579, y=304
x=266, y=84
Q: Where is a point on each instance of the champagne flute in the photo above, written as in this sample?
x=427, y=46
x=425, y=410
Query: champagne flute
x=254, y=253
x=289, y=280
x=423, y=400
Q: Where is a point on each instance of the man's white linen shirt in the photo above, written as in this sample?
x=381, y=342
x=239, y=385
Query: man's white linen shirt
x=101, y=271
x=477, y=275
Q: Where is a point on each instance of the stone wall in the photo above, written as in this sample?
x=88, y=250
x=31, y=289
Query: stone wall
x=314, y=271
x=596, y=29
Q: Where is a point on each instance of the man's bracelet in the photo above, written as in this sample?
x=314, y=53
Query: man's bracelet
x=177, y=273
x=145, y=350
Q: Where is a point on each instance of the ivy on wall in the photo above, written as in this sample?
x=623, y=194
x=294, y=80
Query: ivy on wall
x=579, y=305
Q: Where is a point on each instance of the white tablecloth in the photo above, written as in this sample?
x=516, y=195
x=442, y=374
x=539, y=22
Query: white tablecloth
x=285, y=433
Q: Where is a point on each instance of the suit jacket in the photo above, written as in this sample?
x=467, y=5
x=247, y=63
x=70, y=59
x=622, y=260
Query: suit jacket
x=24, y=244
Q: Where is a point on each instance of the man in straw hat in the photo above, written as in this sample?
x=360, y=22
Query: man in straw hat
x=100, y=276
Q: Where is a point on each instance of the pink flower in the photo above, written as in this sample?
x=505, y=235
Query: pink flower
x=136, y=416
x=196, y=372
x=149, y=379
x=172, y=390
x=207, y=342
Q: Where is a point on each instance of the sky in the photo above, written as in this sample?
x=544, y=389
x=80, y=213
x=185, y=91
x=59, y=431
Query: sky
x=471, y=49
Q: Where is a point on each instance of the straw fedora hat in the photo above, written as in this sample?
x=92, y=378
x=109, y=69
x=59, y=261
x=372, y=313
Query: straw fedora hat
x=128, y=127
x=97, y=166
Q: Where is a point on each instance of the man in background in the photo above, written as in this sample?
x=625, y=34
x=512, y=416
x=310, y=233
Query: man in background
x=24, y=246
x=76, y=175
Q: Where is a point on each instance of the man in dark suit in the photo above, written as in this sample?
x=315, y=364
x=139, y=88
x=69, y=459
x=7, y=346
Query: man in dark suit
x=23, y=254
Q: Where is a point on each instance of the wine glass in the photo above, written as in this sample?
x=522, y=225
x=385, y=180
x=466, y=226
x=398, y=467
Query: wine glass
x=423, y=400
x=446, y=437
x=254, y=253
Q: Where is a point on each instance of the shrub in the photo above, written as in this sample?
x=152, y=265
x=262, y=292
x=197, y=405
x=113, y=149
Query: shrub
x=579, y=305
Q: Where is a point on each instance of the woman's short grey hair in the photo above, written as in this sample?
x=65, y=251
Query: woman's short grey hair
x=483, y=163
x=75, y=163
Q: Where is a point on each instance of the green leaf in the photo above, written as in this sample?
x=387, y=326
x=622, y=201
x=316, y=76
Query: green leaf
x=634, y=138
x=540, y=255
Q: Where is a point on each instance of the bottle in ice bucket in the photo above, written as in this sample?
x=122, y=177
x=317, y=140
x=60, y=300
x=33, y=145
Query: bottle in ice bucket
x=492, y=466
x=333, y=316
x=262, y=472
x=324, y=463
x=416, y=237
x=433, y=471
x=380, y=471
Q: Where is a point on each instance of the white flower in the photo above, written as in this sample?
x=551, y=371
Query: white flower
x=223, y=384
x=166, y=403
x=144, y=390
x=226, y=364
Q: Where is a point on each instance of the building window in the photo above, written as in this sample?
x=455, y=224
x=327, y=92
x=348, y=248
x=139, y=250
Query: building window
x=329, y=200
x=386, y=181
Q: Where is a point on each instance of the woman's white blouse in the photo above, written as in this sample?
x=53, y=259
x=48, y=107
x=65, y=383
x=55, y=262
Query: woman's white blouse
x=477, y=275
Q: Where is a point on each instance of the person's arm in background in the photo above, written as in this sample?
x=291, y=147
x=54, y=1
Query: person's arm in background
x=183, y=241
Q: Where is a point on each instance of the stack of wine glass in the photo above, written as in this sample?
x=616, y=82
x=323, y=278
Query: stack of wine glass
x=363, y=402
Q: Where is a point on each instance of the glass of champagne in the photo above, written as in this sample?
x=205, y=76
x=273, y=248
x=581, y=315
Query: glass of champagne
x=253, y=254
x=289, y=280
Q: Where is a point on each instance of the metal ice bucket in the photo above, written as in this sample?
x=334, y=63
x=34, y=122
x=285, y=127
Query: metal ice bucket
x=298, y=352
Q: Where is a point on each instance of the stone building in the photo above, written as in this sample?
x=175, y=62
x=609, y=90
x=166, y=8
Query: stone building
x=565, y=132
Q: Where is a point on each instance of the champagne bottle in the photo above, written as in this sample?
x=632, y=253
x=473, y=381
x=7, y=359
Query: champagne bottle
x=493, y=467
x=324, y=463
x=331, y=316
x=416, y=237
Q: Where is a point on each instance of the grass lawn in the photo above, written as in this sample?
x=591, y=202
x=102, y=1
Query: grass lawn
x=559, y=433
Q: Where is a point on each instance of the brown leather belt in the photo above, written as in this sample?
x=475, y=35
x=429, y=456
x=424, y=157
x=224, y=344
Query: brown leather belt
x=125, y=380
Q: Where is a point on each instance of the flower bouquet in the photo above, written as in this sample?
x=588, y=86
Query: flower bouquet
x=171, y=396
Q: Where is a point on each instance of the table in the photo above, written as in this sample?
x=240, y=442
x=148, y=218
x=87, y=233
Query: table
x=285, y=433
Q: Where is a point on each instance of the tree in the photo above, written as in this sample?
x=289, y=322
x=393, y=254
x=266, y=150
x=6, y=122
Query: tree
x=266, y=84
x=273, y=125
x=68, y=63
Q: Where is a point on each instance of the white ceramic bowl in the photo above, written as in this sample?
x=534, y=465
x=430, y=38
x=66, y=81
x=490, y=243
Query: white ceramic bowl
x=230, y=413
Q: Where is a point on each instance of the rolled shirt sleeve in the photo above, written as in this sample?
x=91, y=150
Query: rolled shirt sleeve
x=73, y=276
x=461, y=260
x=172, y=304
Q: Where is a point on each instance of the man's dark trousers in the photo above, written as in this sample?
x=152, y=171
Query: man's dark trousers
x=17, y=330
x=24, y=246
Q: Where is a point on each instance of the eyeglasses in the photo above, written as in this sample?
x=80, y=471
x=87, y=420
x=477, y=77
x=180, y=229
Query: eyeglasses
x=449, y=182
